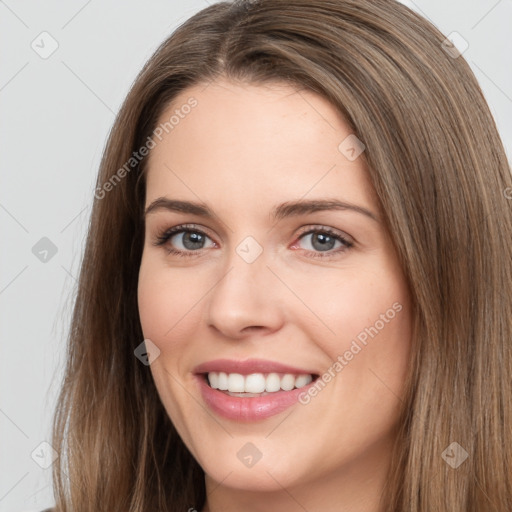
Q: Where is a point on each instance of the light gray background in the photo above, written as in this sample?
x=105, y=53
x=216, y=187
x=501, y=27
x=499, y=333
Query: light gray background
x=55, y=117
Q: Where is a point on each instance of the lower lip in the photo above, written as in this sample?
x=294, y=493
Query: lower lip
x=248, y=409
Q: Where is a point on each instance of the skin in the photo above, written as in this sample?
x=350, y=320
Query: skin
x=242, y=150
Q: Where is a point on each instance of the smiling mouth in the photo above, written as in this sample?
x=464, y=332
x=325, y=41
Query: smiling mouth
x=256, y=384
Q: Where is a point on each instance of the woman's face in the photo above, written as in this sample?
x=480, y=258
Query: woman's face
x=284, y=273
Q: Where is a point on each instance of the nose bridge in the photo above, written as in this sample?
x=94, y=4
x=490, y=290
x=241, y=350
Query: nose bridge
x=246, y=295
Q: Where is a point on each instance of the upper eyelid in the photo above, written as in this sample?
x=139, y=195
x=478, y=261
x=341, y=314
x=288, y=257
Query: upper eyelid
x=183, y=228
x=304, y=230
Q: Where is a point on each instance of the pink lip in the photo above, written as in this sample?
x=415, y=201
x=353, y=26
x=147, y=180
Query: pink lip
x=248, y=366
x=251, y=408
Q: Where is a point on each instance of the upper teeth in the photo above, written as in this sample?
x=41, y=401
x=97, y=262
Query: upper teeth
x=257, y=382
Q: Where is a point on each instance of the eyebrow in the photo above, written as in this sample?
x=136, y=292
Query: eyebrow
x=281, y=211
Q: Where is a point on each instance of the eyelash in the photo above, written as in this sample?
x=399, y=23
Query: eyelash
x=164, y=236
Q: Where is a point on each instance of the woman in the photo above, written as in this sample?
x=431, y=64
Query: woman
x=295, y=288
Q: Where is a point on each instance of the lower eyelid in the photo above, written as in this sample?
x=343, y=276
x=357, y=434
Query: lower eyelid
x=163, y=239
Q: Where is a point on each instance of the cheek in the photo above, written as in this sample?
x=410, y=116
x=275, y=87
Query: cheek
x=364, y=319
x=168, y=318
x=167, y=301
x=154, y=301
x=338, y=307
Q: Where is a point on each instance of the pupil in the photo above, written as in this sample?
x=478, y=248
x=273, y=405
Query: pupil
x=321, y=241
x=192, y=240
x=326, y=241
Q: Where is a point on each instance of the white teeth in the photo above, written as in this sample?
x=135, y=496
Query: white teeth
x=288, y=382
x=273, y=383
x=302, y=380
x=223, y=381
x=236, y=383
x=257, y=382
x=213, y=377
x=254, y=383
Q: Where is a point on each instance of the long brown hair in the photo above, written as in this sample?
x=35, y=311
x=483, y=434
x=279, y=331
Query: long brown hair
x=440, y=171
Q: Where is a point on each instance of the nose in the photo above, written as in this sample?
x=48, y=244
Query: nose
x=248, y=298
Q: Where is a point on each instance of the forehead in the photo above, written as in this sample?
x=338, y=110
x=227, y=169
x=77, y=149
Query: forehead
x=246, y=143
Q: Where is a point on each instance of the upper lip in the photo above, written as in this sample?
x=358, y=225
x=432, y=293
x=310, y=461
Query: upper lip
x=249, y=366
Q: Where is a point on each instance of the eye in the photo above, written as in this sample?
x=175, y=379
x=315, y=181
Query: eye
x=187, y=240
x=323, y=240
x=183, y=240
